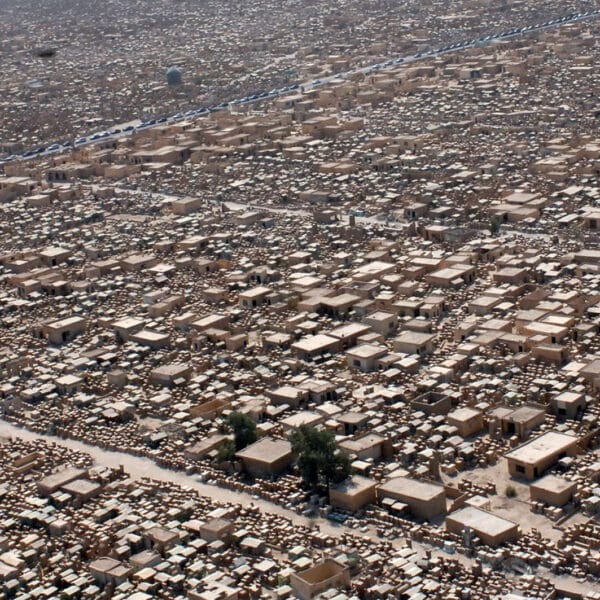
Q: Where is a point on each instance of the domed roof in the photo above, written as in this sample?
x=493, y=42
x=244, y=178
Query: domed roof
x=173, y=76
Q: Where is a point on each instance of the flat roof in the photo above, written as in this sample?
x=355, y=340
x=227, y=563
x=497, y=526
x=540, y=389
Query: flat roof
x=209, y=320
x=450, y=273
x=353, y=485
x=54, y=251
x=464, y=414
x=150, y=336
x=412, y=488
x=542, y=447
x=287, y=391
x=352, y=417
x=256, y=292
x=171, y=370
x=315, y=342
x=60, y=324
x=482, y=521
x=57, y=480
x=414, y=337
x=554, y=484
x=524, y=414
x=305, y=417
x=349, y=329
x=374, y=267
x=366, y=351
x=81, y=486
x=380, y=315
x=68, y=380
x=568, y=397
x=339, y=300
x=186, y=200
x=127, y=322
x=362, y=443
x=267, y=450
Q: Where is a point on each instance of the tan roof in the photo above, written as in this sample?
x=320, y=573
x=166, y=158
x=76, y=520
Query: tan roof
x=414, y=337
x=412, y=488
x=547, y=444
x=367, y=351
x=266, y=450
x=464, y=414
x=482, y=521
x=314, y=343
x=354, y=485
x=349, y=329
x=256, y=292
x=340, y=300
x=554, y=484
x=363, y=443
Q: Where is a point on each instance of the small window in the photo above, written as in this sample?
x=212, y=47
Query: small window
x=520, y=469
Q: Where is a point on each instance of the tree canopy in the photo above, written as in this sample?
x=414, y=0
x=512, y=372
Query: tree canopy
x=494, y=225
x=226, y=451
x=318, y=456
x=244, y=430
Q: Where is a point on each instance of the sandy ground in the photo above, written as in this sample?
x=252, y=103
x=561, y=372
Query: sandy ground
x=515, y=509
x=138, y=467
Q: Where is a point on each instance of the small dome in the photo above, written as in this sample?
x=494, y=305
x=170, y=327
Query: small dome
x=173, y=76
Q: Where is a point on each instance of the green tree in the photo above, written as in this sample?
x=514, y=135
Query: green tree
x=226, y=451
x=318, y=456
x=494, y=225
x=244, y=430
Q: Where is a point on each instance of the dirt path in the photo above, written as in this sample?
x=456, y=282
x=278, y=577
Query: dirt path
x=138, y=467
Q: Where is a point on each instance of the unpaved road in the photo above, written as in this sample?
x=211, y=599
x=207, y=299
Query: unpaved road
x=138, y=467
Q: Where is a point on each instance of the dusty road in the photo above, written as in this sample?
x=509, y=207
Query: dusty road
x=138, y=467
